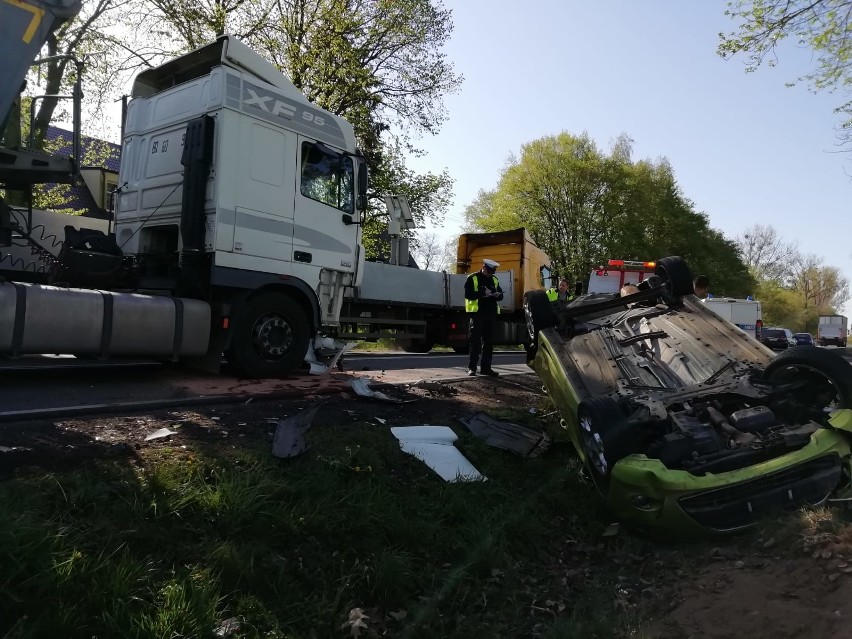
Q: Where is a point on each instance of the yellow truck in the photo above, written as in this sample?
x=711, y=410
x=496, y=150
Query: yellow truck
x=422, y=309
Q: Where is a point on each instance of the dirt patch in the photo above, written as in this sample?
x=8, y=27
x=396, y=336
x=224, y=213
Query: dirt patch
x=64, y=443
x=762, y=597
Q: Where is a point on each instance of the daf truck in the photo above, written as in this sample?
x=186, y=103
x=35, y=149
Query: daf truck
x=237, y=222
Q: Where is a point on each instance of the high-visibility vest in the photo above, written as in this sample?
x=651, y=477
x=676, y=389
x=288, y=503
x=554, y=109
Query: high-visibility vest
x=472, y=306
x=552, y=294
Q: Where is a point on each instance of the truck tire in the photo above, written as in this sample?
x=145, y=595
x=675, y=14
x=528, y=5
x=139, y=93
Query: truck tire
x=416, y=346
x=675, y=271
x=271, y=336
x=823, y=365
x=539, y=314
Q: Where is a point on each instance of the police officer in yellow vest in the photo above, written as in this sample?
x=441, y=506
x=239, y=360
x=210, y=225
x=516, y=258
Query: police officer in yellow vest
x=561, y=295
x=481, y=293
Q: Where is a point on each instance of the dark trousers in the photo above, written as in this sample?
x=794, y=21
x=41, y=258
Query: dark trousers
x=481, y=336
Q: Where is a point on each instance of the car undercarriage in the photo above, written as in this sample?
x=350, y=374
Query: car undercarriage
x=656, y=379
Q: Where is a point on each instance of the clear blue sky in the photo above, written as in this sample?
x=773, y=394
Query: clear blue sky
x=744, y=147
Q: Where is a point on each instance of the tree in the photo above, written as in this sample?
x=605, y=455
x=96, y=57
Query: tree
x=766, y=254
x=434, y=253
x=583, y=206
x=89, y=38
x=781, y=306
x=825, y=26
x=823, y=288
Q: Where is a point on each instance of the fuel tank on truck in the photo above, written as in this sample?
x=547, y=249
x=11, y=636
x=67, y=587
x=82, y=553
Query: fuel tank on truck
x=37, y=319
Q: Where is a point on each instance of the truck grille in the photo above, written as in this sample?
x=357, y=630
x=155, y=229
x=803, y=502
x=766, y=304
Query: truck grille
x=741, y=504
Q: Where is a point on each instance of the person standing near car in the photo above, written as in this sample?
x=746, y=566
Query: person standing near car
x=481, y=293
x=560, y=296
x=700, y=286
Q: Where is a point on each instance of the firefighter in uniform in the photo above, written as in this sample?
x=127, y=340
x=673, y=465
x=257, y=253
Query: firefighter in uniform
x=481, y=293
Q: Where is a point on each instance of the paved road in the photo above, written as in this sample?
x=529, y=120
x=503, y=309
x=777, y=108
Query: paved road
x=33, y=383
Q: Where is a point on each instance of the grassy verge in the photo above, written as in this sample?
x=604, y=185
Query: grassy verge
x=182, y=540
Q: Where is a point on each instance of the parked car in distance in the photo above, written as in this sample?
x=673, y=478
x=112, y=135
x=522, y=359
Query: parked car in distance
x=776, y=338
x=803, y=339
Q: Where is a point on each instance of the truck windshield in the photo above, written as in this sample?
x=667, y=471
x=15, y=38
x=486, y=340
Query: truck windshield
x=327, y=177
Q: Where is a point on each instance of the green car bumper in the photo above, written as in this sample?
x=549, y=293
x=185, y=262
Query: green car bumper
x=644, y=491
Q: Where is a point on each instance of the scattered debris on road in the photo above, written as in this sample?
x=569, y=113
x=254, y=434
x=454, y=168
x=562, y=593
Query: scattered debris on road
x=160, y=434
x=516, y=438
x=433, y=445
x=362, y=388
x=436, y=388
x=289, y=439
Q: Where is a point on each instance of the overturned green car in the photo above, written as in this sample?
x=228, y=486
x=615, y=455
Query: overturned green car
x=686, y=423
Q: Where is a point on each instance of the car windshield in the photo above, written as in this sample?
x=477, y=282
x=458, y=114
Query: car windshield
x=773, y=333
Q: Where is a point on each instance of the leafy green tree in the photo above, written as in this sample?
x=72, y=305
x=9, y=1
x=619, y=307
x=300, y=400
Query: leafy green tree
x=825, y=26
x=583, y=206
x=781, y=306
x=821, y=287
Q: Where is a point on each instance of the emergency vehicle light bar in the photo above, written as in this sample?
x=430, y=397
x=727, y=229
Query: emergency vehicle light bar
x=632, y=264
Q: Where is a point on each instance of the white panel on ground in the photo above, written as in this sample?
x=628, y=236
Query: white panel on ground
x=433, y=445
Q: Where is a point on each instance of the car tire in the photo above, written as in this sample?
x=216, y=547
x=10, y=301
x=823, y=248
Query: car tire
x=539, y=314
x=606, y=437
x=675, y=271
x=462, y=350
x=831, y=365
x=271, y=336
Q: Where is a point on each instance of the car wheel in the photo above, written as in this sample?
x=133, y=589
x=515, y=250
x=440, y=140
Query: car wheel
x=271, y=336
x=539, y=314
x=462, y=350
x=829, y=374
x=606, y=437
x=675, y=271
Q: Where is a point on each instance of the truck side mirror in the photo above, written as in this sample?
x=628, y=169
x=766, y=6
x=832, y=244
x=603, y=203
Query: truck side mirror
x=363, y=183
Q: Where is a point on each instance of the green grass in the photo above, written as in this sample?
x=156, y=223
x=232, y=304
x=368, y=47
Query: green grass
x=174, y=546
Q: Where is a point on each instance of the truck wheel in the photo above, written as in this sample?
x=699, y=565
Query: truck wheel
x=271, y=336
x=829, y=374
x=416, y=346
x=675, y=271
x=539, y=314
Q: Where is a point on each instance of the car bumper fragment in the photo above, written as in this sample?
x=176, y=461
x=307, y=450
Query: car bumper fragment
x=737, y=506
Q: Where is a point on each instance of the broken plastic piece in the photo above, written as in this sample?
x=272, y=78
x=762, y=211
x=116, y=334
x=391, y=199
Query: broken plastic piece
x=362, y=388
x=510, y=436
x=433, y=445
x=159, y=434
x=289, y=439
